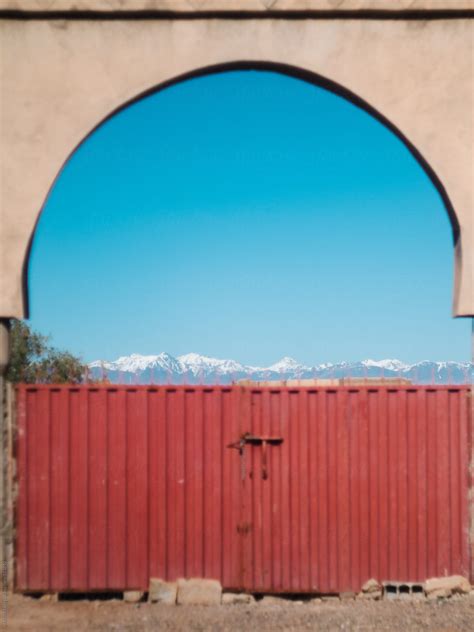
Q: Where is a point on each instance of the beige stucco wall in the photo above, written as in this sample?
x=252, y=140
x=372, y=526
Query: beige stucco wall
x=235, y=5
x=60, y=78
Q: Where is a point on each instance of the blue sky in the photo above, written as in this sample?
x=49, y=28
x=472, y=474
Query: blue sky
x=246, y=215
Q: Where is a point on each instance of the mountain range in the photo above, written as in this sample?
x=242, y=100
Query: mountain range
x=193, y=368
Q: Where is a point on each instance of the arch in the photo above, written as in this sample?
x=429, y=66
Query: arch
x=279, y=68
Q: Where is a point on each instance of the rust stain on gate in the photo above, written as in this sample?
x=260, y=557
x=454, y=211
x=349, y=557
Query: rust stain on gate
x=326, y=488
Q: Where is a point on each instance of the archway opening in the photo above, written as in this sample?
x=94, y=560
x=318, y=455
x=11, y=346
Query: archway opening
x=251, y=215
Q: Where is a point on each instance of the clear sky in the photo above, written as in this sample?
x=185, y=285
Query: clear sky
x=246, y=215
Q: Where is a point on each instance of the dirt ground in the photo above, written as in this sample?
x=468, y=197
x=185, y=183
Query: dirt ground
x=28, y=614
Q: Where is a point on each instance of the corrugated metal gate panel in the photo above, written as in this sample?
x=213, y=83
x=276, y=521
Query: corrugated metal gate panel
x=119, y=484
x=367, y=483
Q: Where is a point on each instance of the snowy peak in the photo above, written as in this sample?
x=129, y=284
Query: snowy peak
x=390, y=365
x=287, y=364
x=194, y=359
x=196, y=363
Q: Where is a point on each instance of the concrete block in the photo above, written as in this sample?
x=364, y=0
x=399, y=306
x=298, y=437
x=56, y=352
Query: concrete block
x=160, y=591
x=199, y=592
x=403, y=590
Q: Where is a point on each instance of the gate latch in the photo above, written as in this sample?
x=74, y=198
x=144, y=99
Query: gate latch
x=264, y=441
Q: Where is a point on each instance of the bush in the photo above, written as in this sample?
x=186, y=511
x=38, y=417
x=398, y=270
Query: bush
x=33, y=360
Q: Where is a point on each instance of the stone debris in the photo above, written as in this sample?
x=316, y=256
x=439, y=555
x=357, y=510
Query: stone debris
x=374, y=595
x=52, y=597
x=162, y=592
x=280, y=600
x=372, y=589
x=371, y=585
x=441, y=593
x=237, y=598
x=199, y=592
x=133, y=596
x=444, y=587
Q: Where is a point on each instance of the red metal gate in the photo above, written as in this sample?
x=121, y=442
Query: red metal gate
x=267, y=489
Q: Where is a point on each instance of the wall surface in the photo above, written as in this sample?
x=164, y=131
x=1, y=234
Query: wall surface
x=60, y=77
x=108, y=6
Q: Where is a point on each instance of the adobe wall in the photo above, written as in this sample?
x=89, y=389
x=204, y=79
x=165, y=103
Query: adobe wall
x=67, y=65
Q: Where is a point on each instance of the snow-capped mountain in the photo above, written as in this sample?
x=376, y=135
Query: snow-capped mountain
x=136, y=363
x=194, y=368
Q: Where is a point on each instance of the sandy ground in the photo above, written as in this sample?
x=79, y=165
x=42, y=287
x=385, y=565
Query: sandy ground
x=26, y=613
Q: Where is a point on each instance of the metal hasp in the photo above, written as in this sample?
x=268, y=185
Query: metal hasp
x=264, y=441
